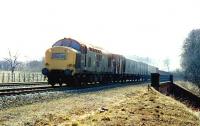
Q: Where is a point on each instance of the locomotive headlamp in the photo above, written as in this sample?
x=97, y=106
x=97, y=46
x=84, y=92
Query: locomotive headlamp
x=45, y=71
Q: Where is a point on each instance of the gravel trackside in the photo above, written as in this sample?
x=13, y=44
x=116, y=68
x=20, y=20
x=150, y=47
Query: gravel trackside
x=24, y=99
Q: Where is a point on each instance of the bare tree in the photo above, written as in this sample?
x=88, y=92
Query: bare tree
x=12, y=61
x=167, y=63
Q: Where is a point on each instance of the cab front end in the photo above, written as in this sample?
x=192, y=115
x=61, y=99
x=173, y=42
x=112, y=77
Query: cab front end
x=59, y=65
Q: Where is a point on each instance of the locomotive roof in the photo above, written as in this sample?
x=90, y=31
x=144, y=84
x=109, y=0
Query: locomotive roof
x=93, y=46
x=68, y=42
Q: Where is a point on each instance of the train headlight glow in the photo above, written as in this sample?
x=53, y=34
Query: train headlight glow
x=45, y=71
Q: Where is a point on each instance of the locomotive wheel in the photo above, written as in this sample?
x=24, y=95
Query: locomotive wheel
x=77, y=82
x=69, y=82
x=51, y=82
x=60, y=83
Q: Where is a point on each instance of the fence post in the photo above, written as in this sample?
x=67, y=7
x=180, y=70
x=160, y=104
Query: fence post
x=8, y=77
x=19, y=77
x=13, y=77
x=24, y=77
x=41, y=77
x=2, y=77
x=33, y=75
x=155, y=80
x=37, y=77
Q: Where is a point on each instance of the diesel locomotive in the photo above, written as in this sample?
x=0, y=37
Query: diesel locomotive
x=74, y=63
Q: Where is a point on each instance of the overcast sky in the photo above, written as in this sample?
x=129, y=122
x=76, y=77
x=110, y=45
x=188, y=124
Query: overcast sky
x=146, y=28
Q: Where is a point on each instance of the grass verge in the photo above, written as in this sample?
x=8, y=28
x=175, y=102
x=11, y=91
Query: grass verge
x=130, y=105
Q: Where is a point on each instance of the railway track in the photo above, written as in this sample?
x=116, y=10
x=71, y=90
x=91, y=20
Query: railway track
x=19, y=91
x=23, y=84
x=39, y=89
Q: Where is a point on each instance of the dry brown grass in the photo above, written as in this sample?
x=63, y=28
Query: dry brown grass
x=129, y=105
x=189, y=86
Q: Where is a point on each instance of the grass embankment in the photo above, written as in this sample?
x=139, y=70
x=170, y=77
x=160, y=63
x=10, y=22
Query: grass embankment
x=130, y=105
x=189, y=86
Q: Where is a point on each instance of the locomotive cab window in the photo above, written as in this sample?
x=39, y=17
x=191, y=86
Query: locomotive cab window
x=68, y=43
x=59, y=56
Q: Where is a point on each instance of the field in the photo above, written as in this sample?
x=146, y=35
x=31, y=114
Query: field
x=128, y=105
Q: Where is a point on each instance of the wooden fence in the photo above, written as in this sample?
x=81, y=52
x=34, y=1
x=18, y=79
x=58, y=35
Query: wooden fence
x=7, y=77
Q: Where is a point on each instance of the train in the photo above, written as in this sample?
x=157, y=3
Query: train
x=74, y=63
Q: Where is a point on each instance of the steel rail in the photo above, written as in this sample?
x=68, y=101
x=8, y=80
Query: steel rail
x=18, y=91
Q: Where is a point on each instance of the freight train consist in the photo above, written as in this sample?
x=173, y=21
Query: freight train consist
x=74, y=63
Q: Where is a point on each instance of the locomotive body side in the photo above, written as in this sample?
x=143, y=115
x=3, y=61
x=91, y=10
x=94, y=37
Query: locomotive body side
x=94, y=62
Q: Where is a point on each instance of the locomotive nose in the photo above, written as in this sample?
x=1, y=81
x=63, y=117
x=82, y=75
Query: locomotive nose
x=61, y=59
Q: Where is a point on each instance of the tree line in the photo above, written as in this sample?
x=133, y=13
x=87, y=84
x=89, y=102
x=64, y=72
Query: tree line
x=32, y=66
x=190, y=57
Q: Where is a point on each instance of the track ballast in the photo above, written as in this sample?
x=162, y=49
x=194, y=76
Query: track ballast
x=19, y=91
